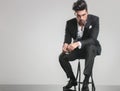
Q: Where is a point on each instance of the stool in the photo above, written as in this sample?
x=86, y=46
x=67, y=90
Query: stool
x=78, y=76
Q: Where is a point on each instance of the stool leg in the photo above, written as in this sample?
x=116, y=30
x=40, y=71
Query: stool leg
x=79, y=76
x=79, y=73
x=74, y=88
x=93, y=85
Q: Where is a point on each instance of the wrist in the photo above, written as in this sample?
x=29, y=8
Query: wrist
x=79, y=44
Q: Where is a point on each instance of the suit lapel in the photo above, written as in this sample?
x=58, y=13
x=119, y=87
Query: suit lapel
x=75, y=28
x=88, y=23
x=85, y=29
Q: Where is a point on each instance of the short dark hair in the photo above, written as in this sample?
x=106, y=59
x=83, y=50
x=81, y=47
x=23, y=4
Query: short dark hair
x=79, y=5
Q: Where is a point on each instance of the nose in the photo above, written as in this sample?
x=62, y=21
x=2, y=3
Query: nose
x=81, y=17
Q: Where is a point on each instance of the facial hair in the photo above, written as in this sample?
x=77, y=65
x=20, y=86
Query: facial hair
x=81, y=22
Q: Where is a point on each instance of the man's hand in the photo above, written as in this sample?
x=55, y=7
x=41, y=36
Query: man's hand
x=64, y=48
x=72, y=46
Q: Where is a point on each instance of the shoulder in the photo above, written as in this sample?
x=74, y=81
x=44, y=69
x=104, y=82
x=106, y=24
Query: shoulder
x=93, y=17
x=73, y=20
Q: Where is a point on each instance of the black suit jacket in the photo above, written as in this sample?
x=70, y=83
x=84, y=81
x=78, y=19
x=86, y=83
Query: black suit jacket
x=90, y=33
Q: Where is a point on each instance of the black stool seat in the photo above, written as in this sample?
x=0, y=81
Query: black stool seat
x=78, y=77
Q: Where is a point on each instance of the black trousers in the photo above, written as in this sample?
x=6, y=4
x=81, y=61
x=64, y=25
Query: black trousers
x=88, y=53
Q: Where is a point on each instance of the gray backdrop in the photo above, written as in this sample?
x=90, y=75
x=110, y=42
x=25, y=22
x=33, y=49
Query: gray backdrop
x=31, y=37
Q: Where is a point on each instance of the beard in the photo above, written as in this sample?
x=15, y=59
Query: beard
x=81, y=22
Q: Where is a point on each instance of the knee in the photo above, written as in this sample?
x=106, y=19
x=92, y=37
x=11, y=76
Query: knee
x=62, y=57
x=91, y=48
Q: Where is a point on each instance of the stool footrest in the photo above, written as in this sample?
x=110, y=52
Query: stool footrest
x=82, y=82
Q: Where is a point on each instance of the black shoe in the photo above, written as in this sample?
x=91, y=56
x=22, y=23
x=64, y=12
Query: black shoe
x=85, y=85
x=85, y=88
x=70, y=84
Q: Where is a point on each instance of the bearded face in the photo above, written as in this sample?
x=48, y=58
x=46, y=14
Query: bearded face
x=81, y=16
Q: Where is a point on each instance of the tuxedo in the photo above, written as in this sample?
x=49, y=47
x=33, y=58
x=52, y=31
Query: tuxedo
x=90, y=33
x=90, y=46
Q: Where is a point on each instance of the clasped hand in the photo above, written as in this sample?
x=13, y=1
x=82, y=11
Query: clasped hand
x=69, y=47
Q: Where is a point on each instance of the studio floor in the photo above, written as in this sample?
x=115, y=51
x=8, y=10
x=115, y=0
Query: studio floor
x=50, y=88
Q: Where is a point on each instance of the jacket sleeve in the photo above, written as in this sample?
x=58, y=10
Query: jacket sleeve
x=92, y=39
x=67, y=37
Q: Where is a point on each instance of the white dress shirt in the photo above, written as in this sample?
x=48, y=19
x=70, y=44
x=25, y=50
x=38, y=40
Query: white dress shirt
x=80, y=34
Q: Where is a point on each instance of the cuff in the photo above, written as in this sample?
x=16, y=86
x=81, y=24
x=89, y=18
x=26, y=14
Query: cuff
x=80, y=45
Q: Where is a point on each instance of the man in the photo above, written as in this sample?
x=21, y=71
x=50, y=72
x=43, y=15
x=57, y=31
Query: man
x=84, y=31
